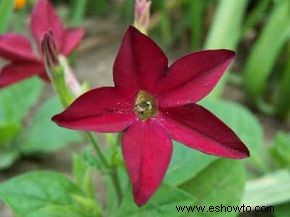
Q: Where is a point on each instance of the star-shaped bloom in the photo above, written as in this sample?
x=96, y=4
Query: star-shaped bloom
x=17, y=49
x=153, y=104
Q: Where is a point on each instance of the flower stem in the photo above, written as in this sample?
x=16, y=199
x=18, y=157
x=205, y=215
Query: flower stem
x=116, y=184
x=112, y=170
x=98, y=150
x=57, y=69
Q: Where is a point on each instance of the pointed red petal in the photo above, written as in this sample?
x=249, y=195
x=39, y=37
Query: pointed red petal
x=197, y=128
x=147, y=151
x=192, y=77
x=71, y=39
x=140, y=63
x=102, y=110
x=16, y=47
x=19, y=71
x=43, y=19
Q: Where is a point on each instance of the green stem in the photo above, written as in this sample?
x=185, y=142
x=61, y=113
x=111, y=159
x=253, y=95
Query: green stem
x=111, y=169
x=98, y=150
x=66, y=97
x=116, y=184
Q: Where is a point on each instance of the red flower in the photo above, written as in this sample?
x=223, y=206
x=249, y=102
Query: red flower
x=16, y=48
x=153, y=104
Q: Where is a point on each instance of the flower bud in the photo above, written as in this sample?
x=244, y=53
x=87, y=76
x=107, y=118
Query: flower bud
x=142, y=15
x=49, y=50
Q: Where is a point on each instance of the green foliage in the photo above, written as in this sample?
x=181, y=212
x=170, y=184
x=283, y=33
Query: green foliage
x=282, y=102
x=280, y=149
x=186, y=164
x=282, y=210
x=162, y=204
x=42, y=136
x=255, y=15
x=272, y=189
x=13, y=108
x=6, y=10
x=78, y=11
x=225, y=31
x=220, y=183
x=266, y=50
x=45, y=136
x=45, y=194
x=83, y=172
x=13, y=105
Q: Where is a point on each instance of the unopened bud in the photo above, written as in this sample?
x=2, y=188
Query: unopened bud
x=49, y=50
x=142, y=15
x=71, y=81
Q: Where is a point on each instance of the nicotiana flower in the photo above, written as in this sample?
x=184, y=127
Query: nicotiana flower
x=17, y=49
x=153, y=104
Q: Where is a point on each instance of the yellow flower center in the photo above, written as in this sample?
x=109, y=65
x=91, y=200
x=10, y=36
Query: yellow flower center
x=145, y=105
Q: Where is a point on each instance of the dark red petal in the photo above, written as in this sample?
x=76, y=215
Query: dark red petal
x=71, y=39
x=197, y=128
x=102, y=110
x=192, y=77
x=147, y=151
x=19, y=71
x=140, y=63
x=16, y=47
x=43, y=19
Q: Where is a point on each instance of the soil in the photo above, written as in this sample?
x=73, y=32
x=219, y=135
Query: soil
x=94, y=64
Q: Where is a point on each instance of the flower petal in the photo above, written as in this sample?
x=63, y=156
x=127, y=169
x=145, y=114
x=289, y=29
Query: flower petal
x=16, y=47
x=71, y=39
x=101, y=110
x=197, y=128
x=192, y=77
x=44, y=19
x=140, y=63
x=147, y=151
x=19, y=71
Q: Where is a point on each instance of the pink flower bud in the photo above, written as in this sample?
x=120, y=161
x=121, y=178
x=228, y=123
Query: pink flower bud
x=142, y=15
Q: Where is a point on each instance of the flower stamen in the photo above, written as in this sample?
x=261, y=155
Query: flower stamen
x=145, y=105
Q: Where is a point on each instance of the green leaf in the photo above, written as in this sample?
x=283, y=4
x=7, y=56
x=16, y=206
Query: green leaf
x=225, y=31
x=266, y=50
x=195, y=11
x=45, y=194
x=16, y=100
x=255, y=15
x=271, y=189
x=185, y=164
x=8, y=132
x=78, y=12
x=220, y=183
x=57, y=211
x=44, y=135
x=244, y=124
x=282, y=210
x=6, y=9
x=83, y=174
x=162, y=204
x=280, y=149
x=7, y=158
x=282, y=100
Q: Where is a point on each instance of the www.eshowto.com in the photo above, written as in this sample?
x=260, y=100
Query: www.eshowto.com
x=223, y=208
